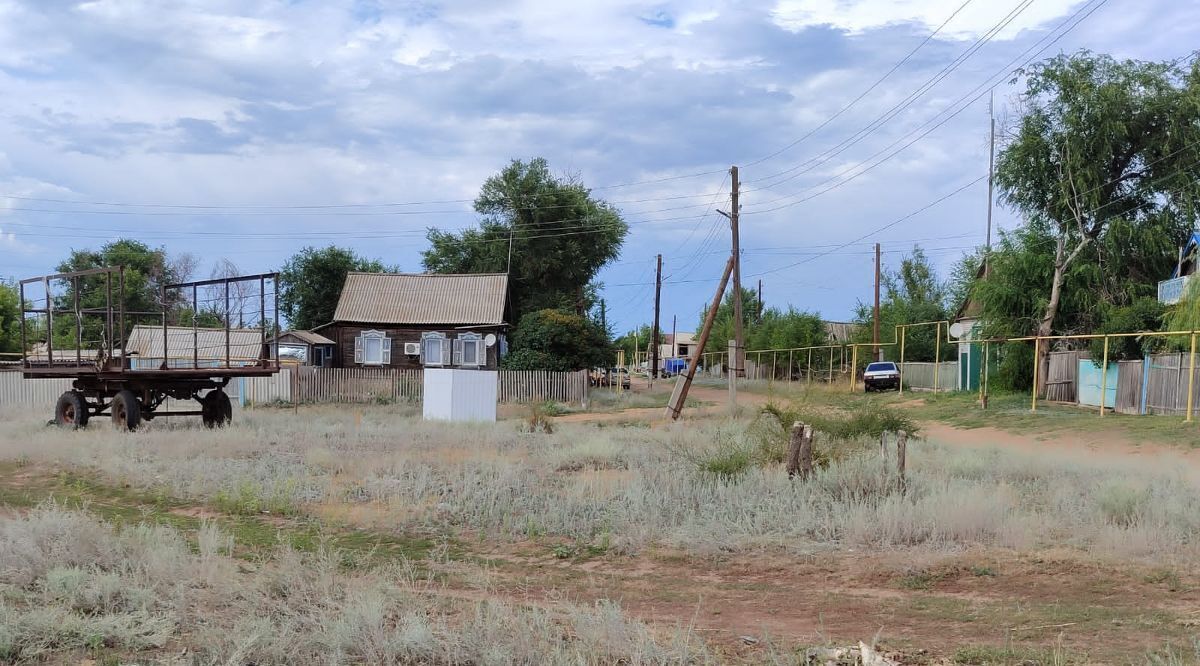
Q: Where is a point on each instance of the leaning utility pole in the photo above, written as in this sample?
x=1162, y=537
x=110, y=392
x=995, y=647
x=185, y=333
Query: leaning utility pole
x=875, y=336
x=603, y=319
x=657, y=302
x=684, y=383
x=738, y=334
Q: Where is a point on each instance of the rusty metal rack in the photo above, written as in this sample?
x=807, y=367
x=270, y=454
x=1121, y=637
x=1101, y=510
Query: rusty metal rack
x=108, y=380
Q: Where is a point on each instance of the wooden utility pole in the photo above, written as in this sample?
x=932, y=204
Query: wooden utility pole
x=758, y=313
x=875, y=334
x=603, y=318
x=991, y=186
x=738, y=333
x=657, y=303
x=684, y=384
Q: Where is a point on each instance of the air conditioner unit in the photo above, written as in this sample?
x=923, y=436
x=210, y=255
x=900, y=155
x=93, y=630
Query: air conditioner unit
x=412, y=348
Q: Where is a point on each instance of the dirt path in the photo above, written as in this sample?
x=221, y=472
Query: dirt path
x=925, y=605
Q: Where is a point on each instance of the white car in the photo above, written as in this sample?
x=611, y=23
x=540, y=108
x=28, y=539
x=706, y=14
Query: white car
x=881, y=376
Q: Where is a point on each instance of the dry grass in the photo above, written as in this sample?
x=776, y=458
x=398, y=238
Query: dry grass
x=504, y=483
x=74, y=586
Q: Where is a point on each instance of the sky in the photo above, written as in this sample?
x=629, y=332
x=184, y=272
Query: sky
x=248, y=130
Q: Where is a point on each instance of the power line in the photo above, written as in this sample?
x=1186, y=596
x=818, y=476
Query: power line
x=895, y=110
x=923, y=134
x=864, y=93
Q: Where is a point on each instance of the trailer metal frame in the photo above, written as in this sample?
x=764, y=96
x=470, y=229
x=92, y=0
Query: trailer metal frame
x=108, y=384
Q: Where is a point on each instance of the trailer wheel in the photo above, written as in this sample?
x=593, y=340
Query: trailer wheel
x=216, y=410
x=126, y=411
x=71, y=411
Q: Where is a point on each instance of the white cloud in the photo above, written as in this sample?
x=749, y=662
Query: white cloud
x=974, y=20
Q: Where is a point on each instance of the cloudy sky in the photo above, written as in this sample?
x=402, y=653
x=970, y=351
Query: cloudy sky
x=247, y=130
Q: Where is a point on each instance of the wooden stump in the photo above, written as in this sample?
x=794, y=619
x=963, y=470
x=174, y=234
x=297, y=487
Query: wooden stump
x=901, y=451
x=794, y=445
x=806, y=456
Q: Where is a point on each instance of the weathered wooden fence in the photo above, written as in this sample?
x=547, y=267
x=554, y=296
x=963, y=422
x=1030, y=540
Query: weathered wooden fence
x=539, y=385
x=1062, y=376
x=1129, y=387
x=1167, y=384
x=919, y=376
x=308, y=384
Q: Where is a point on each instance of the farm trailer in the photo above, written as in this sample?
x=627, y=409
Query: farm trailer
x=109, y=380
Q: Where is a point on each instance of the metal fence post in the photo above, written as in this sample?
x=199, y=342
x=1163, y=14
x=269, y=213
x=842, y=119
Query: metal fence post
x=1104, y=379
x=937, y=356
x=1191, y=377
x=1037, y=347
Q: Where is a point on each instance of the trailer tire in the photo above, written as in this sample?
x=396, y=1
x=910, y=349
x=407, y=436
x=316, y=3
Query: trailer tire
x=126, y=411
x=216, y=410
x=71, y=411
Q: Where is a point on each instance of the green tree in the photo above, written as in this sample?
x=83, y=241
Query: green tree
x=637, y=340
x=560, y=238
x=10, y=319
x=912, y=294
x=551, y=339
x=723, y=328
x=147, y=270
x=311, y=282
x=786, y=329
x=1145, y=314
x=1103, y=148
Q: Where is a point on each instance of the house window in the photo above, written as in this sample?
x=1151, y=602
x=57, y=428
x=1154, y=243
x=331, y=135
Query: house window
x=297, y=353
x=434, y=350
x=372, y=348
x=469, y=351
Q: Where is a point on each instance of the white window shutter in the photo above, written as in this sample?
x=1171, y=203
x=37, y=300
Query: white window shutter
x=480, y=353
x=358, y=349
x=387, y=351
x=445, y=353
x=458, y=352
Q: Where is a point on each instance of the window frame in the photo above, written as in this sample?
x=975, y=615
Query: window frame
x=361, y=348
x=442, y=340
x=475, y=340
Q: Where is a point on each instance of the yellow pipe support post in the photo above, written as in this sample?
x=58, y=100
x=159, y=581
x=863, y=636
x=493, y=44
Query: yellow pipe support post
x=808, y=373
x=1104, y=378
x=1037, y=348
x=831, y=366
x=1191, y=377
x=937, y=356
x=902, y=330
x=853, y=368
x=773, y=354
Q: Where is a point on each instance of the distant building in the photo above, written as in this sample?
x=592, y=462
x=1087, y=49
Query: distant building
x=187, y=347
x=1172, y=290
x=306, y=348
x=677, y=345
x=839, y=332
x=414, y=320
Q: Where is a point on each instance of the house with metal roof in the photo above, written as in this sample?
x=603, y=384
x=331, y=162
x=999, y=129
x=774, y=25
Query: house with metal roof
x=306, y=348
x=415, y=320
x=187, y=347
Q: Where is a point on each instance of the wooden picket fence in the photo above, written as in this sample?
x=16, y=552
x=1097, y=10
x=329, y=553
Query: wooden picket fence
x=306, y=384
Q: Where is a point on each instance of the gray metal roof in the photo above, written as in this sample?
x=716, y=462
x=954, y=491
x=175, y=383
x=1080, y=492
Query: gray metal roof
x=309, y=337
x=423, y=298
x=147, y=342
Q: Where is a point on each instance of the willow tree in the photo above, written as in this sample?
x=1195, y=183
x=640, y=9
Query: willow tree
x=1102, y=145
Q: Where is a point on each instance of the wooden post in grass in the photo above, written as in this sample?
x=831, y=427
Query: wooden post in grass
x=883, y=449
x=901, y=451
x=794, y=444
x=799, y=457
